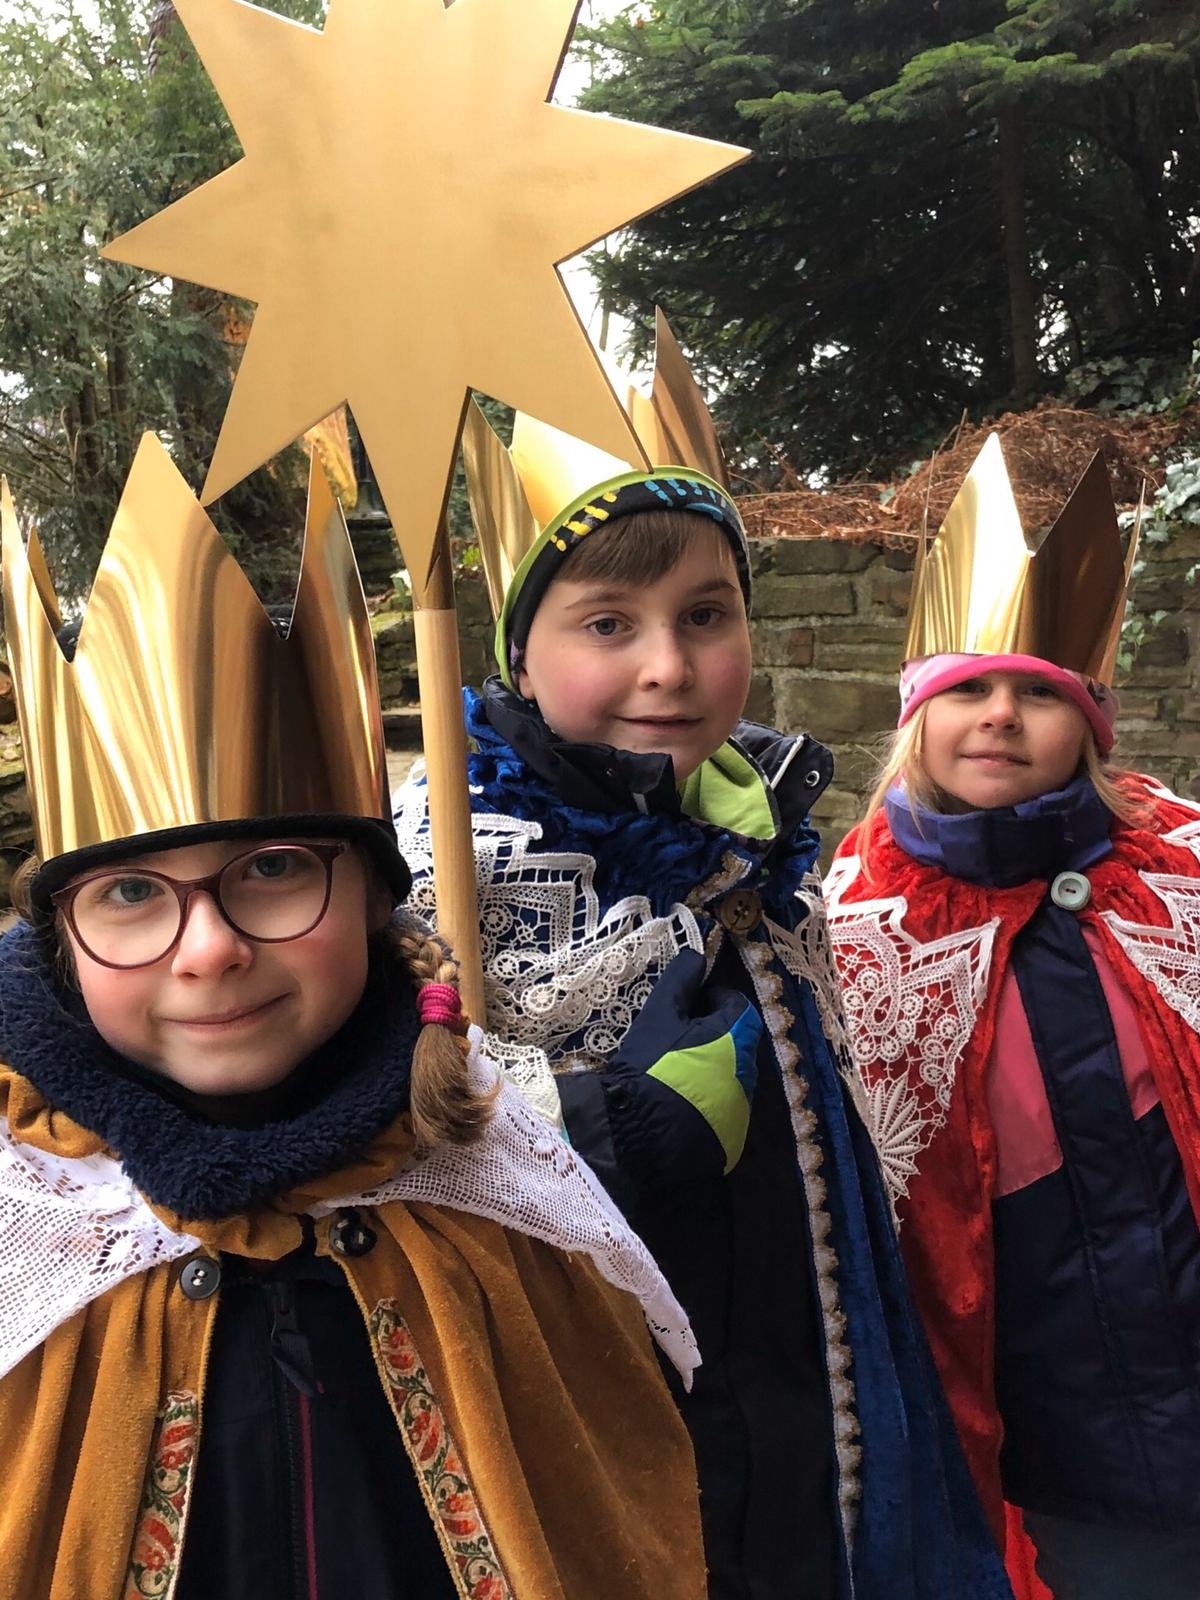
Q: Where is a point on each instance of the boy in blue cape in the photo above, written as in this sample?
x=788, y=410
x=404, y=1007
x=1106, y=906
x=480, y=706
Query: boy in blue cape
x=659, y=980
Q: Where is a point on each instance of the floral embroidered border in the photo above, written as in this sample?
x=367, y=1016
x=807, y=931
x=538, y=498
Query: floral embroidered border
x=440, y=1470
x=157, y=1542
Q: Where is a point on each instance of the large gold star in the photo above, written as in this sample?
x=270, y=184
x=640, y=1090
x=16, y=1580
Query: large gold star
x=405, y=197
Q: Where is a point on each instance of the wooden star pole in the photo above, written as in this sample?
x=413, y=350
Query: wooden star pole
x=444, y=739
x=405, y=198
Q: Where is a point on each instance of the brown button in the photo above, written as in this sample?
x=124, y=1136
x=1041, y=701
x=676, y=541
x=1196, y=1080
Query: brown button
x=740, y=911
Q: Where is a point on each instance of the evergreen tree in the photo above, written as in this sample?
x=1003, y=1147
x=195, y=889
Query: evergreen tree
x=103, y=122
x=950, y=204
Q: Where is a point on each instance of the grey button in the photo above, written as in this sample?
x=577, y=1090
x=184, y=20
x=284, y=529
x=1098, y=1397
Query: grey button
x=812, y=778
x=1071, y=891
x=200, y=1277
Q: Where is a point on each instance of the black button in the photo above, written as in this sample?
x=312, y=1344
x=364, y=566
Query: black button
x=349, y=1235
x=200, y=1277
x=619, y=1096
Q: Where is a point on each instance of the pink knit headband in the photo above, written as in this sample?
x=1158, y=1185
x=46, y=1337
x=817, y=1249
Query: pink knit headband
x=921, y=679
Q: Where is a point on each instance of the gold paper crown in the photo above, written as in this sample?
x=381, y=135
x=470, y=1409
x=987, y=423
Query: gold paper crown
x=982, y=588
x=182, y=703
x=517, y=493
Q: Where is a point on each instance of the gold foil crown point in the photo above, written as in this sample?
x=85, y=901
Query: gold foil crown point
x=983, y=587
x=517, y=492
x=183, y=704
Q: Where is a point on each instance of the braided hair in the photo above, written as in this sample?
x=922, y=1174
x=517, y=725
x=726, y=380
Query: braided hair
x=444, y=1106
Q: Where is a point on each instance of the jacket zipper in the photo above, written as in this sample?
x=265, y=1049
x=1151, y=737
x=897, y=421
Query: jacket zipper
x=295, y=1385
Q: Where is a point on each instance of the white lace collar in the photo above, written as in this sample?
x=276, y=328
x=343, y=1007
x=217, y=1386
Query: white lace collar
x=75, y=1228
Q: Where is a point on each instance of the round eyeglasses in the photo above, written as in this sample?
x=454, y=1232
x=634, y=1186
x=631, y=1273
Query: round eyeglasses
x=132, y=918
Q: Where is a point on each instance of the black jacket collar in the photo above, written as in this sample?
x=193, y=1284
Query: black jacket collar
x=599, y=778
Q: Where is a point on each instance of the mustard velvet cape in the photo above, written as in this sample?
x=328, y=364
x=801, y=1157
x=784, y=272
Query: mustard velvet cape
x=549, y=1454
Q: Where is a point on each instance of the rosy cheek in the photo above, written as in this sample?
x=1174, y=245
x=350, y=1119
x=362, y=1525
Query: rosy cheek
x=119, y=1007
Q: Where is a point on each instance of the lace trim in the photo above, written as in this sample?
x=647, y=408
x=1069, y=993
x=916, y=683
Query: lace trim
x=807, y=953
x=74, y=1229
x=1159, y=791
x=449, y=1498
x=1168, y=958
x=768, y=986
x=911, y=1008
x=564, y=983
x=522, y=1175
x=1187, y=834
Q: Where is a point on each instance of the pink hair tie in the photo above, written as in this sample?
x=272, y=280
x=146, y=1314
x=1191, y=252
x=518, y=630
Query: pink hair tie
x=441, y=1005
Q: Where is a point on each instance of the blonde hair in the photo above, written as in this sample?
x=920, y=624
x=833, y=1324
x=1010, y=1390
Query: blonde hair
x=444, y=1106
x=902, y=765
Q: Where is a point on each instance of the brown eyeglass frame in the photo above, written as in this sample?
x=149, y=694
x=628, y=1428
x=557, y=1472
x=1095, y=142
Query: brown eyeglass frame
x=64, y=899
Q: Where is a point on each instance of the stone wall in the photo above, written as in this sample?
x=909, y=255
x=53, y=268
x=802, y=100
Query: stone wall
x=828, y=634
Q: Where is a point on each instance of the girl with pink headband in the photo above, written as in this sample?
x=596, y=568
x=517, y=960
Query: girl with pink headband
x=1017, y=928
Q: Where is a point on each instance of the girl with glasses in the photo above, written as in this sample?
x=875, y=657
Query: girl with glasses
x=294, y=1299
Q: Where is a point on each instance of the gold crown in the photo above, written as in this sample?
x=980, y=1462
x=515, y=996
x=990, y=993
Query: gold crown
x=519, y=493
x=182, y=703
x=982, y=588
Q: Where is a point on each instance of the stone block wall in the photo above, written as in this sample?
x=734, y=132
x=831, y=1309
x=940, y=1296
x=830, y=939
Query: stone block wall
x=846, y=603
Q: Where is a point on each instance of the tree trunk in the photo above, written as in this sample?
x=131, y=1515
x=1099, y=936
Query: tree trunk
x=1022, y=298
x=162, y=18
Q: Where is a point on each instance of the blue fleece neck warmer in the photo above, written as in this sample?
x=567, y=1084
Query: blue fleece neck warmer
x=1067, y=830
x=344, y=1095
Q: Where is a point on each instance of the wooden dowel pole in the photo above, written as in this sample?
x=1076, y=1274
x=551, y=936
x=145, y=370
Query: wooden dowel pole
x=439, y=670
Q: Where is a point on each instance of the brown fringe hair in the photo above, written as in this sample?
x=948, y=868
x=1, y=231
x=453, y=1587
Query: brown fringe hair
x=902, y=764
x=640, y=548
x=445, y=1109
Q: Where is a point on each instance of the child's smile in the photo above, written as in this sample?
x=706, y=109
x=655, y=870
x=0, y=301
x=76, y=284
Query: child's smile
x=232, y=1020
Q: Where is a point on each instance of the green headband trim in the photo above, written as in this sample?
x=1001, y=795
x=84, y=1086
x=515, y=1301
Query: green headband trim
x=667, y=489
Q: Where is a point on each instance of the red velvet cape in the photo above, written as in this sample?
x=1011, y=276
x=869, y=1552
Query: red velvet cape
x=945, y=1216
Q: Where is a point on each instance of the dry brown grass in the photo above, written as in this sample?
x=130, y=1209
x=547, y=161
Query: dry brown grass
x=1047, y=450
